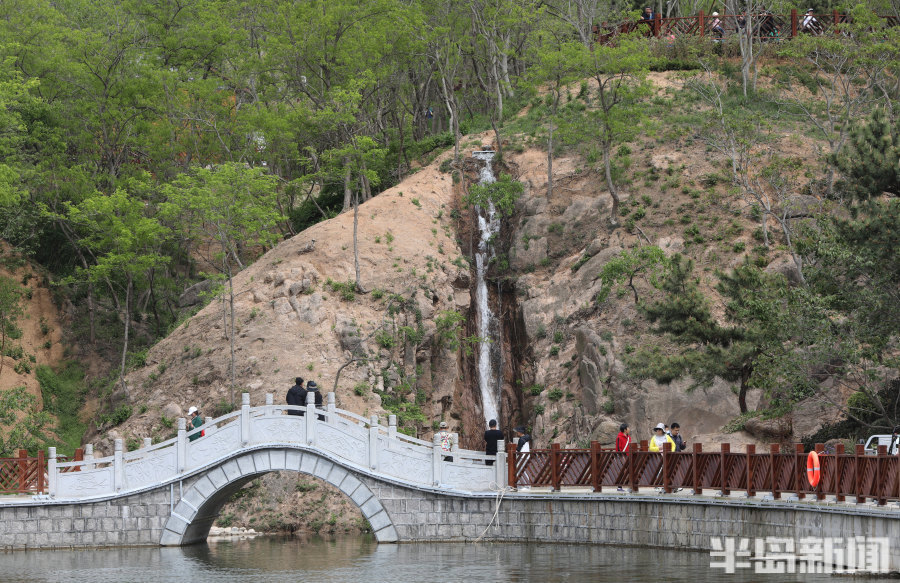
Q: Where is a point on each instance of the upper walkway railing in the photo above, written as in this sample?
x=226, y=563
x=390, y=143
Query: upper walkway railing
x=842, y=475
x=766, y=26
x=358, y=443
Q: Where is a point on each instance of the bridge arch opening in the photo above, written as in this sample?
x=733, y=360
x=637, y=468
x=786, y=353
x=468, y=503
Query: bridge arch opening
x=203, y=495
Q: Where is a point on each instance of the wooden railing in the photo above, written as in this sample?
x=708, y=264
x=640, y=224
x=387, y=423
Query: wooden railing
x=765, y=26
x=28, y=475
x=854, y=475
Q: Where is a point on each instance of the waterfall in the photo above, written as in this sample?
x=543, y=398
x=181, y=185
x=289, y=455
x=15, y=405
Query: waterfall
x=488, y=226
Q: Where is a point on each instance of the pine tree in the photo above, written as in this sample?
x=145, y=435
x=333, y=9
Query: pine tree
x=871, y=161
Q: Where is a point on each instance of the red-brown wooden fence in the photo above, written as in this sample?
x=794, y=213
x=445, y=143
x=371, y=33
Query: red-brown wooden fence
x=765, y=25
x=28, y=475
x=863, y=477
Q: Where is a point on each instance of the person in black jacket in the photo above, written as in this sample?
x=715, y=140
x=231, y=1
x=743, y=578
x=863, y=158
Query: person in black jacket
x=296, y=395
x=524, y=444
x=491, y=436
x=676, y=437
x=312, y=387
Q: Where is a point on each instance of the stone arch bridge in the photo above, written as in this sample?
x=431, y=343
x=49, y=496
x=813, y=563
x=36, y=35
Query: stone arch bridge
x=170, y=493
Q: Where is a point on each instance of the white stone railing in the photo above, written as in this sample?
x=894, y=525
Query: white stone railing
x=357, y=443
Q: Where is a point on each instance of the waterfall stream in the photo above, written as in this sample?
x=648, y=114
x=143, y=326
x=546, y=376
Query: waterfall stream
x=488, y=226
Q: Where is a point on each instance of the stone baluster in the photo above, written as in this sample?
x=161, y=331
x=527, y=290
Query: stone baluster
x=89, y=455
x=181, y=445
x=52, y=472
x=148, y=441
x=270, y=402
x=436, y=458
x=331, y=405
x=373, y=442
x=392, y=427
x=245, y=418
x=207, y=421
x=119, y=465
x=454, y=443
x=501, y=462
x=311, y=418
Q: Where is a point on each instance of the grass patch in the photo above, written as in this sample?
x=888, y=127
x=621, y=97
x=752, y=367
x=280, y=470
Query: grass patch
x=63, y=393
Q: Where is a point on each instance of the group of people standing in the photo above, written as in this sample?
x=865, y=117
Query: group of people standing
x=664, y=438
x=296, y=395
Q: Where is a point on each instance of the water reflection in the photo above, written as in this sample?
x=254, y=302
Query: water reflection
x=361, y=560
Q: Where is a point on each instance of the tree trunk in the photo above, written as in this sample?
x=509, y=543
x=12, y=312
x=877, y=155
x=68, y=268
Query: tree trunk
x=607, y=163
x=356, y=241
x=746, y=371
x=127, y=310
x=231, y=302
x=348, y=175
x=550, y=161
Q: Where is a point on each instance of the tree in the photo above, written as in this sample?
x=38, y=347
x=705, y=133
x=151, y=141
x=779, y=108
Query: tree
x=23, y=424
x=766, y=179
x=850, y=76
x=558, y=66
x=870, y=163
x=627, y=265
x=10, y=311
x=705, y=349
x=620, y=71
x=125, y=243
x=233, y=206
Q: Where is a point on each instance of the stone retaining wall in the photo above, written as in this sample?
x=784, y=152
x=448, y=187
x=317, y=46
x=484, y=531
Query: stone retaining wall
x=131, y=520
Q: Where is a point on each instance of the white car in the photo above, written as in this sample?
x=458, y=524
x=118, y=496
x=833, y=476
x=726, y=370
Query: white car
x=874, y=441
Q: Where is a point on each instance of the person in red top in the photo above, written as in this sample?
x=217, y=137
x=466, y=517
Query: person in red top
x=623, y=440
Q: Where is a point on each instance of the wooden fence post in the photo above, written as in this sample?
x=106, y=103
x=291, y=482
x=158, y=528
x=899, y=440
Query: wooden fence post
x=798, y=471
x=774, y=450
x=879, y=474
x=857, y=474
x=631, y=477
x=595, y=467
x=839, y=462
x=23, y=469
x=698, y=448
x=555, y=478
x=511, y=464
x=667, y=448
x=41, y=485
x=657, y=22
x=723, y=468
x=751, y=453
x=793, y=22
x=835, y=20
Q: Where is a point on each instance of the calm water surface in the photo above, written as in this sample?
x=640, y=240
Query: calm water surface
x=361, y=560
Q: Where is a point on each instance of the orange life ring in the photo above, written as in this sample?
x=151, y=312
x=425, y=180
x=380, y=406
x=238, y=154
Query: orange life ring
x=812, y=469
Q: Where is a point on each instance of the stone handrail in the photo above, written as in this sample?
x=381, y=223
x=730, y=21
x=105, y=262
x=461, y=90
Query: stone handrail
x=359, y=444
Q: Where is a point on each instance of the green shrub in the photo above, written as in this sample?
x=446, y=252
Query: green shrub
x=555, y=394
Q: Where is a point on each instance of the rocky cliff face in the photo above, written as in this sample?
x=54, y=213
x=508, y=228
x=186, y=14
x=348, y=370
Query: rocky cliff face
x=393, y=349
x=298, y=314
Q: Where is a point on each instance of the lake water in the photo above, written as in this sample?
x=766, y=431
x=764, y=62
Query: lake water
x=361, y=560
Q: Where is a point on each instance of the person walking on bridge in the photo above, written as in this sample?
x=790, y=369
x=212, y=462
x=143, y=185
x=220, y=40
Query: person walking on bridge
x=623, y=439
x=491, y=437
x=660, y=439
x=296, y=395
x=676, y=437
x=194, y=422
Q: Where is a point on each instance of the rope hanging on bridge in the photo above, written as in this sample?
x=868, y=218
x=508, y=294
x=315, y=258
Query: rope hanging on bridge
x=501, y=491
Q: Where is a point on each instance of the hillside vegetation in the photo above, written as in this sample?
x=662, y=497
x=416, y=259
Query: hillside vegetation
x=223, y=195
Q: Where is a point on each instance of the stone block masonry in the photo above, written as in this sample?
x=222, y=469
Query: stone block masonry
x=132, y=520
